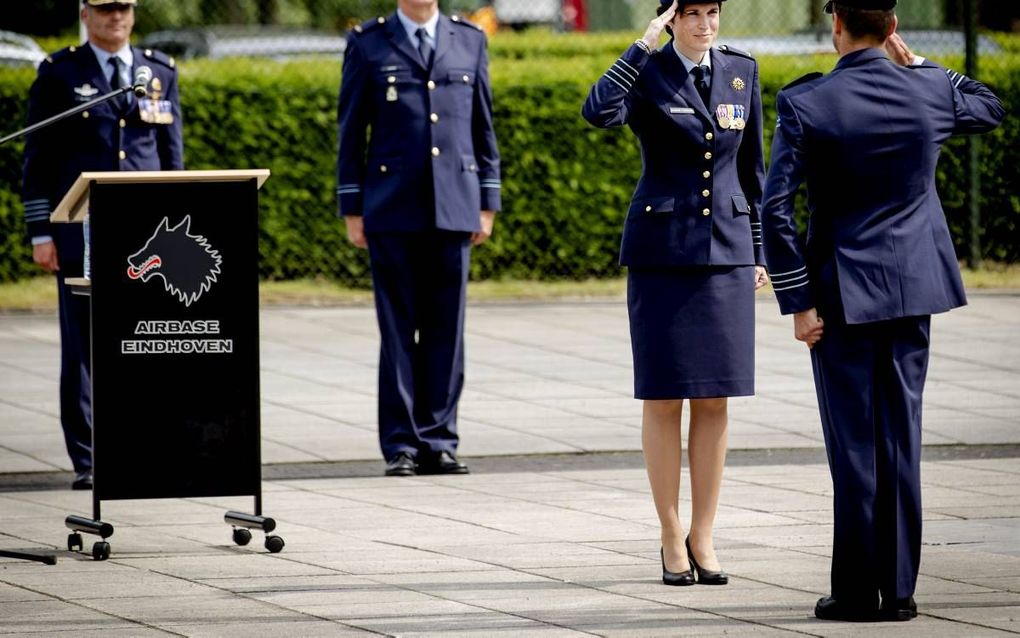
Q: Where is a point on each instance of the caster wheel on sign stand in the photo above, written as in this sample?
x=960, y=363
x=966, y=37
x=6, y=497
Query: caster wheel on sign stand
x=241, y=536
x=74, y=542
x=274, y=544
x=100, y=550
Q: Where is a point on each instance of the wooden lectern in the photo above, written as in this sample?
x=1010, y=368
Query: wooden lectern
x=174, y=340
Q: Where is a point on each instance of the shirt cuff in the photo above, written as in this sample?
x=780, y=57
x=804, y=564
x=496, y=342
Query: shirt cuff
x=918, y=61
x=41, y=239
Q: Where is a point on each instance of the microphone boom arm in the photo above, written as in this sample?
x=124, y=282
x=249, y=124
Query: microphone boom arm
x=72, y=111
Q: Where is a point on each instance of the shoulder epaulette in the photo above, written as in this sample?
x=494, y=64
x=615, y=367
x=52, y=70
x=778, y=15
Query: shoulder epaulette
x=456, y=19
x=725, y=48
x=63, y=54
x=804, y=80
x=160, y=57
x=374, y=23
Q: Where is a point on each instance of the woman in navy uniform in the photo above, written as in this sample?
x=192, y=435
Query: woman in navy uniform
x=692, y=244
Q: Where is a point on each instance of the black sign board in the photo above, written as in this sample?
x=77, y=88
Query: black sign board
x=175, y=339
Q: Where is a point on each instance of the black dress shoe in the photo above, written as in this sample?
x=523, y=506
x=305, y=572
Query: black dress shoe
x=400, y=465
x=82, y=481
x=443, y=463
x=705, y=576
x=676, y=579
x=828, y=608
x=899, y=609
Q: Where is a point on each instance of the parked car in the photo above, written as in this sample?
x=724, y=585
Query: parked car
x=570, y=15
x=19, y=50
x=278, y=43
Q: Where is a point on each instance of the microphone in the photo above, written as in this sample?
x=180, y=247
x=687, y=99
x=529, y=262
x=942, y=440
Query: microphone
x=143, y=75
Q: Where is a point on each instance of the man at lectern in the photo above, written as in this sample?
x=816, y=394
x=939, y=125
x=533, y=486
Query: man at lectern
x=123, y=134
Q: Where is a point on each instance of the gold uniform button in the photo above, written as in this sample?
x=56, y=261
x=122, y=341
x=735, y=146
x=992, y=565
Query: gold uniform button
x=709, y=137
x=705, y=193
x=648, y=209
x=708, y=155
x=431, y=85
x=382, y=169
x=85, y=115
x=392, y=79
x=707, y=174
x=381, y=20
x=123, y=155
x=434, y=117
x=72, y=48
x=466, y=79
x=435, y=151
x=123, y=123
x=148, y=53
x=706, y=212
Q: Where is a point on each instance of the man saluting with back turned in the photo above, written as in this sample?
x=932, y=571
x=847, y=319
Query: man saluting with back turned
x=878, y=262
x=123, y=134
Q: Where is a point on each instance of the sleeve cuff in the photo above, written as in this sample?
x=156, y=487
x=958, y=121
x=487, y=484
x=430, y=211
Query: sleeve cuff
x=491, y=199
x=41, y=239
x=349, y=199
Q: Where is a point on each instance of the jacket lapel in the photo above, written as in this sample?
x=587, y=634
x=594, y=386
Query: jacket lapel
x=444, y=39
x=398, y=38
x=720, y=71
x=682, y=82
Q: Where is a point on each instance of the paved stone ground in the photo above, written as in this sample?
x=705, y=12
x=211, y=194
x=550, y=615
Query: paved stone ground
x=542, y=544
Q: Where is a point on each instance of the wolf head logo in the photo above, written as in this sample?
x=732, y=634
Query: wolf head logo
x=186, y=263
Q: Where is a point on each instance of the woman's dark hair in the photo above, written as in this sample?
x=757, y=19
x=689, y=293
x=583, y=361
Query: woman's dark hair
x=680, y=6
x=866, y=23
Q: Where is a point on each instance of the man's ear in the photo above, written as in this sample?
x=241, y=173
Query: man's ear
x=895, y=25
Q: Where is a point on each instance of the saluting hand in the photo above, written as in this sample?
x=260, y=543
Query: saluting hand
x=656, y=27
x=808, y=327
x=898, y=51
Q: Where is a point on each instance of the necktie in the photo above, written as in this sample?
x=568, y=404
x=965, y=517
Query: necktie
x=424, y=48
x=116, y=83
x=701, y=75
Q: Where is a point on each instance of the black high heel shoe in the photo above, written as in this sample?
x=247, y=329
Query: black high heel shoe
x=676, y=579
x=705, y=577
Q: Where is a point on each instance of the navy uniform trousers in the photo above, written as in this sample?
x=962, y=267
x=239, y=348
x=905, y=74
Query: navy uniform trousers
x=420, y=284
x=869, y=379
x=75, y=370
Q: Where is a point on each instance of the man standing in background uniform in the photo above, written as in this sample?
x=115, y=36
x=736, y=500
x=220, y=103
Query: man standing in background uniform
x=418, y=193
x=123, y=134
x=878, y=262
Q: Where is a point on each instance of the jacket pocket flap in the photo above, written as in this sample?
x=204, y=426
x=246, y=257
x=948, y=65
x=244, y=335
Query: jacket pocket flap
x=384, y=165
x=652, y=205
x=740, y=205
x=461, y=77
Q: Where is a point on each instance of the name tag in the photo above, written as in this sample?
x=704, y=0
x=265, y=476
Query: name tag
x=681, y=110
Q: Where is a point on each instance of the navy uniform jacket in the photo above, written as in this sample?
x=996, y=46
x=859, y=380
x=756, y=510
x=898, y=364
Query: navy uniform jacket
x=431, y=159
x=698, y=198
x=867, y=138
x=100, y=139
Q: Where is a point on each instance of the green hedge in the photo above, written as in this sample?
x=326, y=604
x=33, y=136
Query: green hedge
x=566, y=185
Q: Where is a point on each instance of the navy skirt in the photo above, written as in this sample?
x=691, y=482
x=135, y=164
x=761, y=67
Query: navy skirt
x=692, y=331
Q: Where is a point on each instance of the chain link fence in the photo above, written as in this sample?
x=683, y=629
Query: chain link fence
x=534, y=44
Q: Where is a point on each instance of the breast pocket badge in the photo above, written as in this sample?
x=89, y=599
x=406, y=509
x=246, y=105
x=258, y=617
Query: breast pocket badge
x=155, y=111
